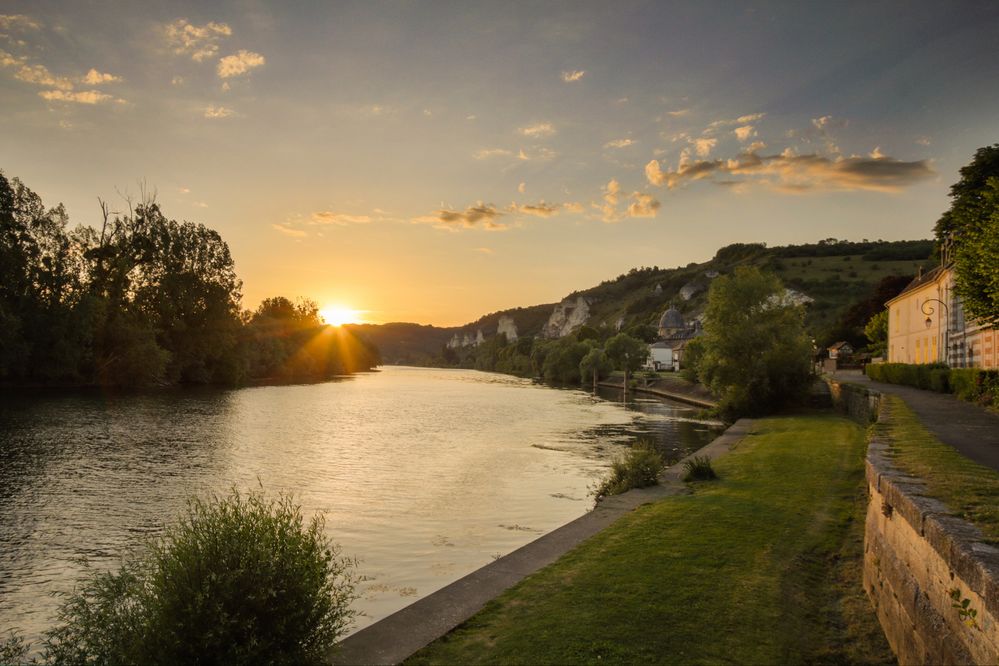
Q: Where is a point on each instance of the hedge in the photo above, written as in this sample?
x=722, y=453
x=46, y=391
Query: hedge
x=971, y=384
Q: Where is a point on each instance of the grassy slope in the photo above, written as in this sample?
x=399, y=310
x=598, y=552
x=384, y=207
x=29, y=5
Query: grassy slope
x=760, y=567
x=970, y=490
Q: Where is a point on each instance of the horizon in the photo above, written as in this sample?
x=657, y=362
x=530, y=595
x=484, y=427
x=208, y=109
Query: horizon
x=414, y=164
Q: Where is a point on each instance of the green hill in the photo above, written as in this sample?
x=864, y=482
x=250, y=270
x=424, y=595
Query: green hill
x=847, y=282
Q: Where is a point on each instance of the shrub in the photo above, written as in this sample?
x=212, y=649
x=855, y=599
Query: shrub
x=240, y=579
x=699, y=468
x=940, y=380
x=639, y=468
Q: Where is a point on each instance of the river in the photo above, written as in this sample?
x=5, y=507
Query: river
x=424, y=475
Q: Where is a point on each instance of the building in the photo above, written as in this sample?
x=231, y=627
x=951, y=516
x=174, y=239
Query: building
x=927, y=324
x=840, y=349
x=674, y=333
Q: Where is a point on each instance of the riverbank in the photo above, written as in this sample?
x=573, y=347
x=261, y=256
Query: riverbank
x=670, y=386
x=772, y=574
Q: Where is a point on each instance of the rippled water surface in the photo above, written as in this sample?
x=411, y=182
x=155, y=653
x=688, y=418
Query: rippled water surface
x=424, y=475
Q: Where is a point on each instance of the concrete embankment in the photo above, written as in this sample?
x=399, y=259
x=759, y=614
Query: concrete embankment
x=396, y=637
x=671, y=394
x=922, y=565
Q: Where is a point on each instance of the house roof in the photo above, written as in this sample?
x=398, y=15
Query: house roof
x=840, y=345
x=929, y=277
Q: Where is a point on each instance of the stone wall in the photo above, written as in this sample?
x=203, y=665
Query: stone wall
x=857, y=402
x=915, y=557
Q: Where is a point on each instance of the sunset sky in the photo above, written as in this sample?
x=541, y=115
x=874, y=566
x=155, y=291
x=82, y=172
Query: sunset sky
x=432, y=162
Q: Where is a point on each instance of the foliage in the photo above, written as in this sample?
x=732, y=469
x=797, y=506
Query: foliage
x=699, y=468
x=240, y=579
x=142, y=300
x=967, y=614
x=638, y=468
x=969, y=384
x=13, y=649
x=562, y=358
x=876, y=331
x=972, y=226
x=756, y=356
x=626, y=353
x=595, y=365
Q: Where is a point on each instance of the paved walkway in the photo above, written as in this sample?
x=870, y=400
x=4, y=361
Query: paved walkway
x=972, y=430
x=396, y=637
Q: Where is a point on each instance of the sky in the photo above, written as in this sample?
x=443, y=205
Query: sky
x=436, y=161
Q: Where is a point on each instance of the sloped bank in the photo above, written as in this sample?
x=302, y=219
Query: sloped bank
x=933, y=581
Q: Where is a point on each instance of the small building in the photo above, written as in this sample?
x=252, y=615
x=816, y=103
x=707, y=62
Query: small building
x=840, y=350
x=660, y=356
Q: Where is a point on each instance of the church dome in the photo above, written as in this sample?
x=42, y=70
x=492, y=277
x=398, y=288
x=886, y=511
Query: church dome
x=671, y=319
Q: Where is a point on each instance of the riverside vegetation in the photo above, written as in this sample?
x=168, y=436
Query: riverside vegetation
x=144, y=300
x=238, y=580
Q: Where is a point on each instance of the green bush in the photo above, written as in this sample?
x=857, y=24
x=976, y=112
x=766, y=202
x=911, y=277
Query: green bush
x=699, y=468
x=970, y=384
x=239, y=580
x=639, y=468
x=940, y=380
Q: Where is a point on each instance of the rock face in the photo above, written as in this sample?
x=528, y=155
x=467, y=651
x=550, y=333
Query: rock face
x=465, y=339
x=567, y=315
x=508, y=327
x=691, y=289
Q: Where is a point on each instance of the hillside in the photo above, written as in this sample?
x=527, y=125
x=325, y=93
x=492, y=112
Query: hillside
x=847, y=282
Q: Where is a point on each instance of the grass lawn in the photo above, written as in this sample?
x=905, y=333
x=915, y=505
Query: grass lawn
x=761, y=567
x=970, y=490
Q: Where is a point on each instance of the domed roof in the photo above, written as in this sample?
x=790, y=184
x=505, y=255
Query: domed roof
x=671, y=319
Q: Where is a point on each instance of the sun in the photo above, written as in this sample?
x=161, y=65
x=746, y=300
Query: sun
x=336, y=315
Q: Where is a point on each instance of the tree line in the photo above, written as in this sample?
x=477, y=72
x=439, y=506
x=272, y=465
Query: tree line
x=144, y=300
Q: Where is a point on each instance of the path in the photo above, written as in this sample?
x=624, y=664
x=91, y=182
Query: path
x=972, y=430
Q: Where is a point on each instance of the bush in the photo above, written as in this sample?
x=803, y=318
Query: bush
x=240, y=579
x=699, y=468
x=639, y=468
x=970, y=384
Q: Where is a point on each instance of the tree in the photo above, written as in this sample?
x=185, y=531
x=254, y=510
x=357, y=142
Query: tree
x=595, y=364
x=626, y=353
x=756, y=354
x=876, y=331
x=971, y=228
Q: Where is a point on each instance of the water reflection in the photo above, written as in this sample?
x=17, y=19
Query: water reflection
x=423, y=474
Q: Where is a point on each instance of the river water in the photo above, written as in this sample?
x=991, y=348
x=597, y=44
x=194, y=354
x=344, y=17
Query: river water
x=424, y=475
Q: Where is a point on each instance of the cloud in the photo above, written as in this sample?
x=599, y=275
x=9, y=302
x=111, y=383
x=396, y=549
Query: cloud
x=239, y=63
x=790, y=172
x=200, y=42
x=541, y=209
x=755, y=147
x=177, y=81
x=78, y=97
x=339, y=219
x=741, y=120
x=184, y=190
x=288, y=231
x=486, y=153
x=538, y=131
x=744, y=133
x=214, y=112
x=612, y=191
x=200, y=204
x=95, y=78
x=620, y=143
x=483, y=250
x=876, y=154
x=19, y=22
x=678, y=113
x=644, y=205
x=479, y=216
x=923, y=141
x=40, y=76
x=704, y=146
x=522, y=188
x=574, y=75
x=9, y=60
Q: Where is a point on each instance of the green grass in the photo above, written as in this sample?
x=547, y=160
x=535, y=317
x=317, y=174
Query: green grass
x=970, y=490
x=761, y=567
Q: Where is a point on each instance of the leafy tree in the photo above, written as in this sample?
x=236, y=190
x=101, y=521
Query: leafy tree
x=562, y=359
x=756, y=354
x=972, y=227
x=626, y=353
x=877, y=333
x=645, y=332
x=595, y=365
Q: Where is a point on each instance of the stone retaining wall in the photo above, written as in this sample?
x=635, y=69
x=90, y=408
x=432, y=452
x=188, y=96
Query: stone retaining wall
x=915, y=556
x=857, y=402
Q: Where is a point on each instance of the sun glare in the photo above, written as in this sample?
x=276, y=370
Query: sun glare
x=334, y=315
